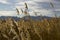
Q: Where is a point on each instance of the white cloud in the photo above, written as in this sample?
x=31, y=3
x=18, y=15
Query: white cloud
x=10, y=13
x=44, y=12
x=41, y=0
x=4, y=1
x=57, y=10
x=33, y=5
x=7, y=13
x=13, y=13
x=29, y=2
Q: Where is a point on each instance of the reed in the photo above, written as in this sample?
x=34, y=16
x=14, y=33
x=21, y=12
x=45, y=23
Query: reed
x=30, y=30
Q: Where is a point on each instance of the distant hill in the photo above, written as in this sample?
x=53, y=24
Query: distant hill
x=32, y=17
x=5, y=17
x=38, y=17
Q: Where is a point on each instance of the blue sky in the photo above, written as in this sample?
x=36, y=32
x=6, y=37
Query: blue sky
x=7, y=7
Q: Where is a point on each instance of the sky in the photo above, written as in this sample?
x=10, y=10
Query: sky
x=41, y=7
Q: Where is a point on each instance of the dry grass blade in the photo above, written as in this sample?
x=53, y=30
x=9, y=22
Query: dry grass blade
x=52, y=5
x=17, y=11
x=4, y=35
x=21, y=10
x=26, y=9
x=26, y=6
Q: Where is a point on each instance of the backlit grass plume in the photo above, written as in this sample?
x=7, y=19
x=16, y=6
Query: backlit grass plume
x=26, y=6
x=22, y=11
x=26, y=9
x=17, y=11
x=26, y=12
x=52, y=5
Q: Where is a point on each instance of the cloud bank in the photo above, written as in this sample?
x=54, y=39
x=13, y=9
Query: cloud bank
x=40, y=6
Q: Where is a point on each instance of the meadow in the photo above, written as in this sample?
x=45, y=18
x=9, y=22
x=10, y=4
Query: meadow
x=30, y=29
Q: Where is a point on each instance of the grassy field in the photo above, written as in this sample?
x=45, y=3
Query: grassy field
x=30, y=29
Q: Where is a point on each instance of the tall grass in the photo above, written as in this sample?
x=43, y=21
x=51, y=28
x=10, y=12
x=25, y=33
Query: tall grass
x=24, y=30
